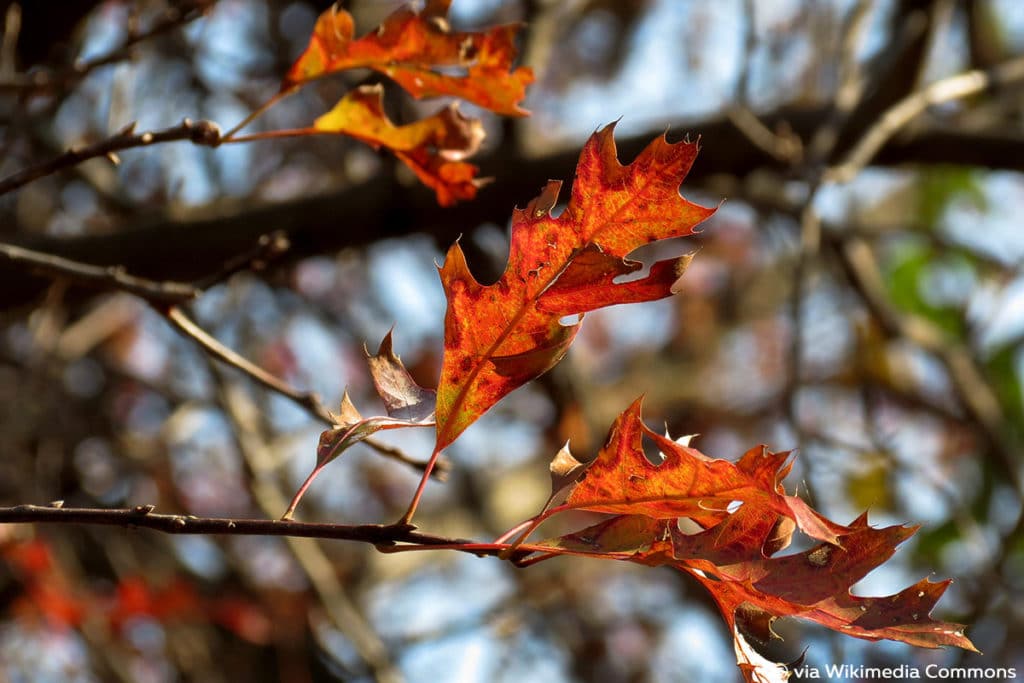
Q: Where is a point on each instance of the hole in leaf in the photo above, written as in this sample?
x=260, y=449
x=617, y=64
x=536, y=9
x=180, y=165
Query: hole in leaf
x=638, y=274
x=570, y=320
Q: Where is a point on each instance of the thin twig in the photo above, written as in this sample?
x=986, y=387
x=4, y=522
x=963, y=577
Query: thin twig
x=268, y=248
x=103, y=277
x=42, y=81
x=785, y=148
x=439, y=472
x=308, y=400
x=201, y=132
x=230, y=135
x=780, y=146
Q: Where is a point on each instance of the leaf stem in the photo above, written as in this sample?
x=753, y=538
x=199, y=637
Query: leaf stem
x=272, y=134
x=407, y=517
x=229, y=136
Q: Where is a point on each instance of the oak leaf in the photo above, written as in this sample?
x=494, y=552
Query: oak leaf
x=687, y=483
x=433, y=147
x=419, y=51
x=500, y=336
x=746, y=519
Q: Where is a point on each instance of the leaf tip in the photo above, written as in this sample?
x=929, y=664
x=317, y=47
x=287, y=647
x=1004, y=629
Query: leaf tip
x=681, y=265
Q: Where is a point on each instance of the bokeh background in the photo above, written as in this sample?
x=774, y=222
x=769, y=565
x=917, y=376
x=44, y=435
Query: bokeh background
x=874, y=323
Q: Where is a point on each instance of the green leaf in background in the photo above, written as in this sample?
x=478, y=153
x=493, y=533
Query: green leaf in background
x=938, y=187
x=911, y=265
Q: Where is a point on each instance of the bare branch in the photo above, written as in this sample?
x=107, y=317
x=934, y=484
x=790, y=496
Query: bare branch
x=48, y=81
x=110, y=277
x=144, y=517
x=205, y=133
x=308, y=400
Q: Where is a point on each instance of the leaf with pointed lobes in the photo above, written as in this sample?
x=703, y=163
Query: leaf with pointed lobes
x=407, y=405
x=815, y=585
x=420, y=52
x=735, y=553
x=687, y=483
x=500, y=336
x=433, y=147
x=732, y=561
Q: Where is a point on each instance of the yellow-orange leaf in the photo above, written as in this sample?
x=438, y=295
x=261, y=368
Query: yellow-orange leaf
x=419, y=52
x=433, y=147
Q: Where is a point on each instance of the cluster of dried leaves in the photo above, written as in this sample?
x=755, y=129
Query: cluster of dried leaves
x=419, y=52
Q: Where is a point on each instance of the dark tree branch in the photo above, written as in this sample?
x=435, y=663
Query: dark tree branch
x=191, y=249
x=204, y=133
x=47, y=81
x=99, y=277
x=385, y=537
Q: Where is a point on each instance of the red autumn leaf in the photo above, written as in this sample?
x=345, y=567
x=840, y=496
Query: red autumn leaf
x=56, y=603
x=137, y=597
x=735, y=556
x=434, y=147
x=419, y=51
x=407, y=405
x=47, y=592
x=243, y=617
x=499, y=337
x=621, y=480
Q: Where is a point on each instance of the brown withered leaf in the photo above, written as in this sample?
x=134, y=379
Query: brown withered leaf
x=407, y=405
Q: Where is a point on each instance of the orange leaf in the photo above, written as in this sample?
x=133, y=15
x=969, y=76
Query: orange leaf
x=432, y=147
x=501, y=336
x=621, y=480
x=418, y=51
